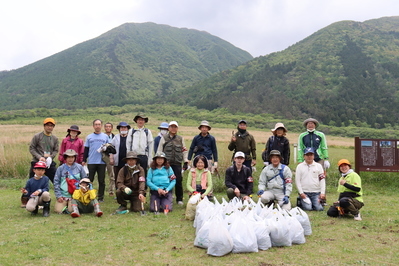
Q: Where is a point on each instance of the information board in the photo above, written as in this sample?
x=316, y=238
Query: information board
x=376, y=155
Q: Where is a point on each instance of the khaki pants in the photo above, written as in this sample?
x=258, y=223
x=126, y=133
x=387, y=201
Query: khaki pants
x=111, y=185
x=59, y=206
x=34, y=201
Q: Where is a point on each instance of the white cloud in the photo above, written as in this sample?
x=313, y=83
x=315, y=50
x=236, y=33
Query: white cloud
x=32, y=30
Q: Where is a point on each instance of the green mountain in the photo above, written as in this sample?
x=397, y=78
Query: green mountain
x=344, y=74
x=131, y=64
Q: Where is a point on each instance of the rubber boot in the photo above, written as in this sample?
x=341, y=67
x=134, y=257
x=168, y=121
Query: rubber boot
x=46, y=208
x=75, y=213
x=34, y=212
x=97, y=210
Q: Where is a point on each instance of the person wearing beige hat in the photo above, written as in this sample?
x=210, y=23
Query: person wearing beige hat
x=205, y=144
x=314, y=139
x=66, y=180
x=141, y=141
x=277, y=142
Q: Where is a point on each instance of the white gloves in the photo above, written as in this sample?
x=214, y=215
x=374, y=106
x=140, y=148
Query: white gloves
x=266, y=163
x=128, y=191
x=48, y=162
x=326, y=164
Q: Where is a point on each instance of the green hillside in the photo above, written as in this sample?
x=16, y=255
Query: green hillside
x=344, y=74
x=133, y=63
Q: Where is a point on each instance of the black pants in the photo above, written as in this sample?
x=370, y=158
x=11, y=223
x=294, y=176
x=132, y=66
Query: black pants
x=100, y=170
x=179, y=182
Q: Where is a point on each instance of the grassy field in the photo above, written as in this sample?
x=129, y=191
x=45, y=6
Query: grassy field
x=132, y=239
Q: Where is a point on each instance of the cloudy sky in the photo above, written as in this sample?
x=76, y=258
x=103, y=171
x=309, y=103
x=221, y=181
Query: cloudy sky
x=31, y=30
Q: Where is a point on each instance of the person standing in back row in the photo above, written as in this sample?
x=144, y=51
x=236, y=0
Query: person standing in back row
x=93, y=157
x=244, y=142
x=277, y=142
x=205, y=144
x=176, y=153
x=140, y=141
x=108, y=127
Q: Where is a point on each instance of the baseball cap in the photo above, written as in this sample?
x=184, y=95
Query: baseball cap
x=239, y=154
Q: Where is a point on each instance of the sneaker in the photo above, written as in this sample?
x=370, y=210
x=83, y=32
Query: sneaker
x=111, y=194
x=122, y=210
x=99, y=214
x=180, y=202
x=357, y=217
x=101, y=200
x=75, y=215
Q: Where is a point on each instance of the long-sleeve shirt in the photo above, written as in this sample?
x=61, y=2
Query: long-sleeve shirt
x=74, y=171
x=353, y=185
x=239, y=179
x=270, y=179
x=198, y=177
x=245, y=143
x=316, y=140
x=140, y=141
x=310, y=178
x=160, y=178
x=206, y=145
x=74, y=144
x=43, y=143
x=34, y=184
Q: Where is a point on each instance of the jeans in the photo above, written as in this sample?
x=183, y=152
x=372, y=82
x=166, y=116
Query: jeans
x=315, y=202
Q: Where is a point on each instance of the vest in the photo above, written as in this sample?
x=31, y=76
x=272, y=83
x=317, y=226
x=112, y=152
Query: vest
x=173, y=149
x=204, y=179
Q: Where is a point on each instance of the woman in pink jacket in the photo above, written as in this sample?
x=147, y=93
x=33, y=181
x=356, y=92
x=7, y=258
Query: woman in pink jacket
x=72, y=141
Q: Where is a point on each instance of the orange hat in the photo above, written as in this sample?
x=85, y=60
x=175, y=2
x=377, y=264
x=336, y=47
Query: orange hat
x=49, y=120
x=343, y=161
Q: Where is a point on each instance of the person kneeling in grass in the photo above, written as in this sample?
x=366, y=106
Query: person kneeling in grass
x=161, y=180
x=130, y=184
x=199, y=179
x=350, y=192
x=36, y=191
x=84, y=199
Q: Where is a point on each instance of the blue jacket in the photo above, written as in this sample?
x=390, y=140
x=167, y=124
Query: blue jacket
x=205, y=146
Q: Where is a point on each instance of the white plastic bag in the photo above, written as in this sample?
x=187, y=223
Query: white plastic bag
x=262, y=235
x=296, y=230
x=279, y=230
x=220, y=241
x=202, y=238
x=303, y=219
x=243, y=235
x=191, y=206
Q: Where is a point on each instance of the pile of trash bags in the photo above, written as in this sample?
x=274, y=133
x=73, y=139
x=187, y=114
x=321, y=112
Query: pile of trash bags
x=245, y=226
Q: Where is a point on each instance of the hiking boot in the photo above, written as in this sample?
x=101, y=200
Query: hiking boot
x=357, y=217
x=24, y=201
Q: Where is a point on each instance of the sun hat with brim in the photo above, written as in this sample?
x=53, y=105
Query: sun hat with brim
x=131, y=155
x=204, y=123
x=274, y=153
x=84, y=180
x=70, y=152
x=123, y=124
x=159, y=155
x=239, y=154
x=40, y=165
x=277, y=126
x=163, y=125
x=140, y=115
x=305, y=123
x=49, y=120
x=74, y=128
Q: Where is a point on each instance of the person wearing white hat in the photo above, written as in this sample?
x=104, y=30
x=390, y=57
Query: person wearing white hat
x=277, y=142
x=163, y=129
x=176, y=153
x=85, y=199
x=238, y=180
x=205, y=144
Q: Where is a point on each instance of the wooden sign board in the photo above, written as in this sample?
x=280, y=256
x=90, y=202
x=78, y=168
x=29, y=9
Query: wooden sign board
x=376, y=155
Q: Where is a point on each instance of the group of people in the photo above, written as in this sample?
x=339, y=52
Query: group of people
x=275, y=181
x=136, y=161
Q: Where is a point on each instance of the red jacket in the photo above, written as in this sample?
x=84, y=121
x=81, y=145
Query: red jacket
x=75, y=144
